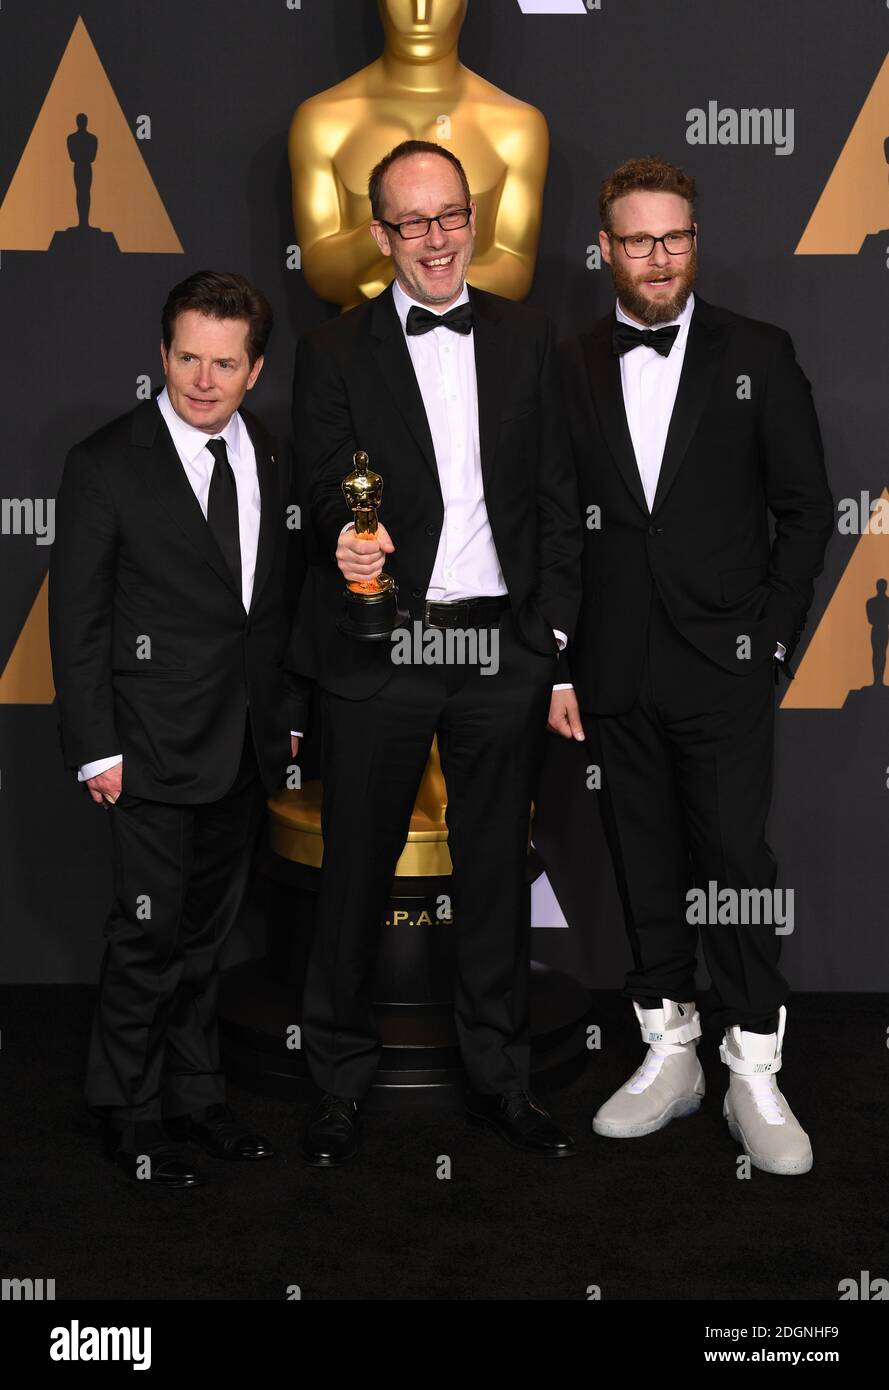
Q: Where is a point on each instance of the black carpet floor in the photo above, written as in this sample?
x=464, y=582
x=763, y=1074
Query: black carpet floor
x=663, y=1217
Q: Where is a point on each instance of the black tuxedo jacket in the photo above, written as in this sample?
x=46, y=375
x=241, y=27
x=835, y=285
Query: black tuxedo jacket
x=133, y=559
x=728, y=463
x=355, y=388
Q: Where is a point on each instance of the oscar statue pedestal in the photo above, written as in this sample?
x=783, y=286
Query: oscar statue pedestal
x=77, y=242
x=261, y=1002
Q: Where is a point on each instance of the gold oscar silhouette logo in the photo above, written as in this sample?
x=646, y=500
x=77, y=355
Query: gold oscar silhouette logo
x=82, y=179
x=845, y=662
x=854, y=206
x=81, y=182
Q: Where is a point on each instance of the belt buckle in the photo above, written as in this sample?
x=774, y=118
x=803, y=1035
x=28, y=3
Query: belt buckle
x=460, y=603
x=428, y=620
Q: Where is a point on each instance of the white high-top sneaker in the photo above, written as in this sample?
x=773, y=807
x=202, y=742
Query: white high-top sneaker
x=669, y=1082
x=759, y=1117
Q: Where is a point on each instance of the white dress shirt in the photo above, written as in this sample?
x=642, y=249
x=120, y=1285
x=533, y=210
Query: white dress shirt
x=197, y=461
x=649, y=383
x=466, y=563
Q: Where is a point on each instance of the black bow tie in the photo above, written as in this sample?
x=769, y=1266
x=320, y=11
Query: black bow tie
x=458, y=319
x=624, y=338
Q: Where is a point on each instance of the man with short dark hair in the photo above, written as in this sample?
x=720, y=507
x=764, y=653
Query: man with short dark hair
x=691, y=426
x=453, y=394
x=171, y=583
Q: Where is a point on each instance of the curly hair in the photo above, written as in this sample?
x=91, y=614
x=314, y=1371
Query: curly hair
x=648, y=174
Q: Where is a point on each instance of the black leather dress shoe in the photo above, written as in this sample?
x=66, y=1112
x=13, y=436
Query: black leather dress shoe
x=220, y=1134
x=332, y=1131
x=521, y=1121
x=156, y=1164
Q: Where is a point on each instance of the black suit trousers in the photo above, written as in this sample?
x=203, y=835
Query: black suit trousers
x=180, y=873
x=686, y=787
x=491, y=732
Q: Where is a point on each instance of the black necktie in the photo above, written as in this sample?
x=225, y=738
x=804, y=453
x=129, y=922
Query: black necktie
x=222, y=509
x=458, y=319
x=624, y=338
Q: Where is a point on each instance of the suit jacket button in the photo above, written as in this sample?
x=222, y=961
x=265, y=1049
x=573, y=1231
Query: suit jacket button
x=653, y=530
x=430, y=530
x=416, y=593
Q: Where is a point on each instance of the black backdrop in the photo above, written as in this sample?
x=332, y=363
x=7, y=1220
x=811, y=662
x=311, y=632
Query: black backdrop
x=219, y=80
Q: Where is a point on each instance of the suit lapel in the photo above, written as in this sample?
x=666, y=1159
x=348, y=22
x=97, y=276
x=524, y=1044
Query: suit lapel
x=396, y=369
x=271, y=501
x=492, y=350
x=604, y=375
x=171, y=488
x=702, y=358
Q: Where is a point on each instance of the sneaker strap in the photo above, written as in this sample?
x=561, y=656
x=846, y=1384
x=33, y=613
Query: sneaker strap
x=669, y=1029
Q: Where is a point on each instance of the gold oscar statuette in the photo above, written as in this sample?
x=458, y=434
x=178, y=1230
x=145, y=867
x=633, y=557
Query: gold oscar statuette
x=371, y=610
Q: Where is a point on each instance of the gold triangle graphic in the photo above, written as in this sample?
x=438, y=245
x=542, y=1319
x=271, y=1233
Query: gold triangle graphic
x=855, y=200
x=838, y=658
x=41, y=199
x=27, y=679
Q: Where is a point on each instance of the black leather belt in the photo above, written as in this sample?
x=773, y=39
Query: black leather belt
x=465, y=612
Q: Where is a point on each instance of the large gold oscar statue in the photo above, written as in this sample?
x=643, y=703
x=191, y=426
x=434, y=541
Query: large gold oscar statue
x=416, y=89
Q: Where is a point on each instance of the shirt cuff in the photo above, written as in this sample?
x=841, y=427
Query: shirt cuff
x=566, y=686
x=781, y=652
x=98, y=767
x=294, y=734
x=560, y=638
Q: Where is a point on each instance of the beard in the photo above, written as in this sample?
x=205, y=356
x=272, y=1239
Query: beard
x=652, y=312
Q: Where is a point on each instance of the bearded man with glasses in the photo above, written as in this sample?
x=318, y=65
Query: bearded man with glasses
x=693, y=428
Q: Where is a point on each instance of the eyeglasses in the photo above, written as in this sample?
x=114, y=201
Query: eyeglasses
x=641, y=244
x=420, y=226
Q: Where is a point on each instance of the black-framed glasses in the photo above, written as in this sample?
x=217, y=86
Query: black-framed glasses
x=420, y=226
x=641, y=244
